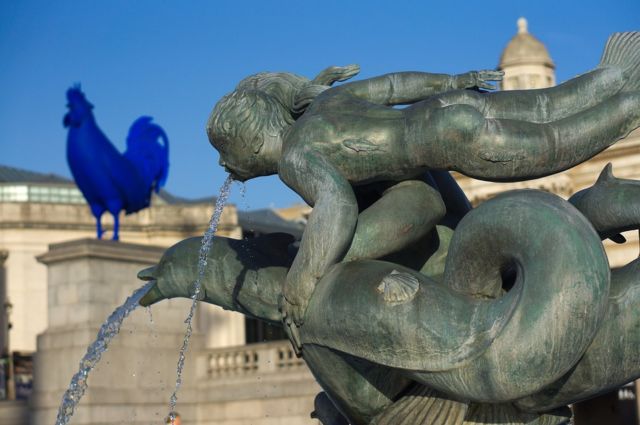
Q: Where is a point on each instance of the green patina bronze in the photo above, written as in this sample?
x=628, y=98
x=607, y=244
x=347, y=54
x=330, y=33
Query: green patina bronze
x=408, y=306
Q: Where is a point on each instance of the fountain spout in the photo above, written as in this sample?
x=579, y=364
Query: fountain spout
x=242, y=275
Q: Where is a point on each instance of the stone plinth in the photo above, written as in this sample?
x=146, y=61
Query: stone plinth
x=87, y=280
x=14, y=412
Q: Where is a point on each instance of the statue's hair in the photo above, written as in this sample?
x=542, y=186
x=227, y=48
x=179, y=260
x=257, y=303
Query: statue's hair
x=247, y=115
x=264, y=104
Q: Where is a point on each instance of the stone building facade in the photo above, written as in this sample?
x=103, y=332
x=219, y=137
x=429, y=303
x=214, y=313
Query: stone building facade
x=526, y=63
x=37, y=210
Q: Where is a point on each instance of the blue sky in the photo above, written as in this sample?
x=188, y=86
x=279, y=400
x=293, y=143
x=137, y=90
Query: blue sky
x=173, y=60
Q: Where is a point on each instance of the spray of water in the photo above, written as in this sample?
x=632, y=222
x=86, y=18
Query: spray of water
x=150, y=314
x=108, y=330
x=197, y=286
x=243, y=195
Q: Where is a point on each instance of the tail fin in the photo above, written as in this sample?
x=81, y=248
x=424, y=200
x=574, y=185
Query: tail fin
x=623, y=50
x=423, y=406
x=148, y=150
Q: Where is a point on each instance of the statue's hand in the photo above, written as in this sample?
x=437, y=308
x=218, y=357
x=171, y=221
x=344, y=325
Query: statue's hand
x=336, y=73
x=478, y=79
x=293, y=305
x=291, y=328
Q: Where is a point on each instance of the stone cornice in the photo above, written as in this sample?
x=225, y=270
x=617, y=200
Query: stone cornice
x=154, y=228
x=102, y=249
x=182, y=220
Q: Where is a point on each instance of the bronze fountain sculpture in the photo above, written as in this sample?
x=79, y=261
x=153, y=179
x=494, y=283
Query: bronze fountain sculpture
x=408, y=306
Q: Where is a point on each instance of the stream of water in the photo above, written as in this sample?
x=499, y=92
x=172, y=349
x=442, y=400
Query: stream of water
x=111, y=326
x=108, y=330
x=197, y=286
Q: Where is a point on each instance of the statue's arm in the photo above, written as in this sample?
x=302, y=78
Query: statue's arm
x=402, y=88
x=329, y=230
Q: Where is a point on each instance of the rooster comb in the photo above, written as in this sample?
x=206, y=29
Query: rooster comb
x=74, y=93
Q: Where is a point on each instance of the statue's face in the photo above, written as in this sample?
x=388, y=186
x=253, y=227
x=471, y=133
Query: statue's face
x=245, y=128
x=238, y=158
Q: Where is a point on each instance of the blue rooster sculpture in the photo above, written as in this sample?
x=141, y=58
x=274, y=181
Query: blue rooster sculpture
x=111, y=181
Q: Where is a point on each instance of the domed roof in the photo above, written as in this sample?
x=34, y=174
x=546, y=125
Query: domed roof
x=525, y=49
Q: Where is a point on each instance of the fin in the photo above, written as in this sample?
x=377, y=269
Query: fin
x=606, y=175
x=623, y=51
x=507, y=414
x=398, y=287
x=422, y=406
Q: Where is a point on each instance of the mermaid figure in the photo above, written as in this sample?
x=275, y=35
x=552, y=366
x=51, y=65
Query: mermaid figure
x=329, y=144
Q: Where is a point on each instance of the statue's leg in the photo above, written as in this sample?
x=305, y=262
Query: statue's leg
x=461, y=138
x=404, y=214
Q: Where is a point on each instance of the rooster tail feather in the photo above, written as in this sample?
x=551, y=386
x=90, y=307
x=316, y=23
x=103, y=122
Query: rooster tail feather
x=164, y=165
x=148, y=150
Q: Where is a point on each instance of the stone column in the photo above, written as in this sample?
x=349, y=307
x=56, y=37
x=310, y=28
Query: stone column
x=4, y=316
x=87, y=280
x=8, y=385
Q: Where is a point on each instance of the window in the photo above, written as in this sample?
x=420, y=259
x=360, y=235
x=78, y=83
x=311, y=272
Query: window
x=14, y=193
x=44, y=193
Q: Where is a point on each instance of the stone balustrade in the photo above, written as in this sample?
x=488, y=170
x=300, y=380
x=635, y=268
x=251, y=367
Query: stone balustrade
x=277, y=356
x=256, y=384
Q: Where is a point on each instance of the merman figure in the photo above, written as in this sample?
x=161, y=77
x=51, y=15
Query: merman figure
x=328, y=143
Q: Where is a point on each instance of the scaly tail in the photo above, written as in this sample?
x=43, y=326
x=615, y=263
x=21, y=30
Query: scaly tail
x=148, y=150
x=623, y=51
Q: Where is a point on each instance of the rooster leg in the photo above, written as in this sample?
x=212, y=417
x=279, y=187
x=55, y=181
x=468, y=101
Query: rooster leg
x=116, y=225
x=99, y=230
x=114, y=208
x=97, y=211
